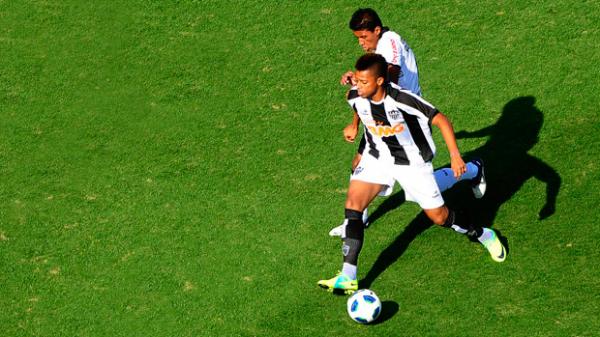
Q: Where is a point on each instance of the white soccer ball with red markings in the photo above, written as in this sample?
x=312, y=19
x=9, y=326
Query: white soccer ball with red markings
x=364, y=306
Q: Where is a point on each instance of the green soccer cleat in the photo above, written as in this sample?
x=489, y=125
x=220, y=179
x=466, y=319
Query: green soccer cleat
x=495, y=247
x=340, y=283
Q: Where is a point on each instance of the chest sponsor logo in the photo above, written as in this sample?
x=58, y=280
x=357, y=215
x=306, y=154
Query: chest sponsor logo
x=386, y=130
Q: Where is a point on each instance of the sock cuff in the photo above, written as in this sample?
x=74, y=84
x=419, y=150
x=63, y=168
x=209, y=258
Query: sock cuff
x=351, y=214
x=475, y=232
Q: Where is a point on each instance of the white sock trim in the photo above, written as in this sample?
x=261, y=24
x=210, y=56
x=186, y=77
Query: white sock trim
x=349, y=270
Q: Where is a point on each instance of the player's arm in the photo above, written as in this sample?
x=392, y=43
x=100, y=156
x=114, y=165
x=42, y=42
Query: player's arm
x=456, y=162
x=351, y=130
x=393, y=72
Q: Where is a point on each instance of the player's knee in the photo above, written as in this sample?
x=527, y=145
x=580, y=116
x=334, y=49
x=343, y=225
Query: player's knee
x=438, y=215
x=355, y=200
x=354, y=204
x=438, y=220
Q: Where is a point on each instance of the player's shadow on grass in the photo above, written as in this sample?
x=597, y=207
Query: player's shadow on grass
x=388, y=310
x=508, y=165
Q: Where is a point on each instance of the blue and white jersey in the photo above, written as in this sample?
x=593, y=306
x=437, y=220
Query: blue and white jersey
x=398, y=128
x=397, y=52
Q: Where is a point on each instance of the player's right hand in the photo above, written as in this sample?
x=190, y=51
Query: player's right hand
x=350, y=133
x=348, y=78
x=458, y=166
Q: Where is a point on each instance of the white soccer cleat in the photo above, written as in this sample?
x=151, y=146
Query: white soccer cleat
x=337, y=231
x=479, y=184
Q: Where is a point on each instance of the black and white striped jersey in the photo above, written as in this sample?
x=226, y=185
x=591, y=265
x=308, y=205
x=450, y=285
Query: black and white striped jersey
x=398, y=127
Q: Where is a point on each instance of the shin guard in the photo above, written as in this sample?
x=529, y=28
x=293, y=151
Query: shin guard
x=352, y=236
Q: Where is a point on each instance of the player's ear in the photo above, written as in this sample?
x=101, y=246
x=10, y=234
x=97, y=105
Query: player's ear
x=377, y=30
x=380, y=81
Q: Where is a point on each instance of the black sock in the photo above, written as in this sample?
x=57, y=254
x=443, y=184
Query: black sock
x=352, y=237
x=461, y=222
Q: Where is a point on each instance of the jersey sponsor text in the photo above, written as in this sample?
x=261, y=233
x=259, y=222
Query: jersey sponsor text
x=386, y=130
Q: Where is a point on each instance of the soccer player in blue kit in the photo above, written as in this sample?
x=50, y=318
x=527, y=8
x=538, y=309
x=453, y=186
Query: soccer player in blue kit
x=399, y=146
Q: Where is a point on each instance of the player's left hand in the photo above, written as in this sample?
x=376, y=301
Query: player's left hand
x=350, y=132
x=458, y=166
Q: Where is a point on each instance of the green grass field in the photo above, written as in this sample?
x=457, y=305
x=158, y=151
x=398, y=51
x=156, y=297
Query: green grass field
x=173, y=168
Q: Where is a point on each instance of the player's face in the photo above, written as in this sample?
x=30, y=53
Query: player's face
x=367, y=83
x=367, y=39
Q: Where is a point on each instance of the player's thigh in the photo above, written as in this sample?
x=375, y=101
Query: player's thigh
x=366, y=181
x=371, y=170
x=360, y=194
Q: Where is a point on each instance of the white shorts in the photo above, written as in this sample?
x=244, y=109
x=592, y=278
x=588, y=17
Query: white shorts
x=417, y=181
x=387, y=189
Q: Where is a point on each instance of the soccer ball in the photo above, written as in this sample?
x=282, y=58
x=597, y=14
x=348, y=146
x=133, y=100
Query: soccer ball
x=364, y=306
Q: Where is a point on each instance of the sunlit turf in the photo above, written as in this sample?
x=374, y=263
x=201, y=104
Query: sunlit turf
x=172, y=169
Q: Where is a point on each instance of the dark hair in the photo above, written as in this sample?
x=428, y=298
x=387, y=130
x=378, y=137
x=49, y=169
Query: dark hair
x=365, y=18
x=373, y=61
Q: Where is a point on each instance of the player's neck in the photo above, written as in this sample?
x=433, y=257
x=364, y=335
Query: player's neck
x=379, y=95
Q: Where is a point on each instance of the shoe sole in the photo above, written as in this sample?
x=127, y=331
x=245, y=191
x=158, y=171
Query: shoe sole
x=338, y=291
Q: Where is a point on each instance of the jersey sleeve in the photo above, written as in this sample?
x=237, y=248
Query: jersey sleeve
x=351, y=97
x=389, y=49
x=413, y=101
x=428, y=110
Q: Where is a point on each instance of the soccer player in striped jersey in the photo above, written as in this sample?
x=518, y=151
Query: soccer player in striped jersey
x=397, y=124
x=373, y=37
x=401, y=69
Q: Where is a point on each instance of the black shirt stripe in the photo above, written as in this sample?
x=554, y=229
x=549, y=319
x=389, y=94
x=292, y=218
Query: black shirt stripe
x=412, y=122
x=396, y=150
